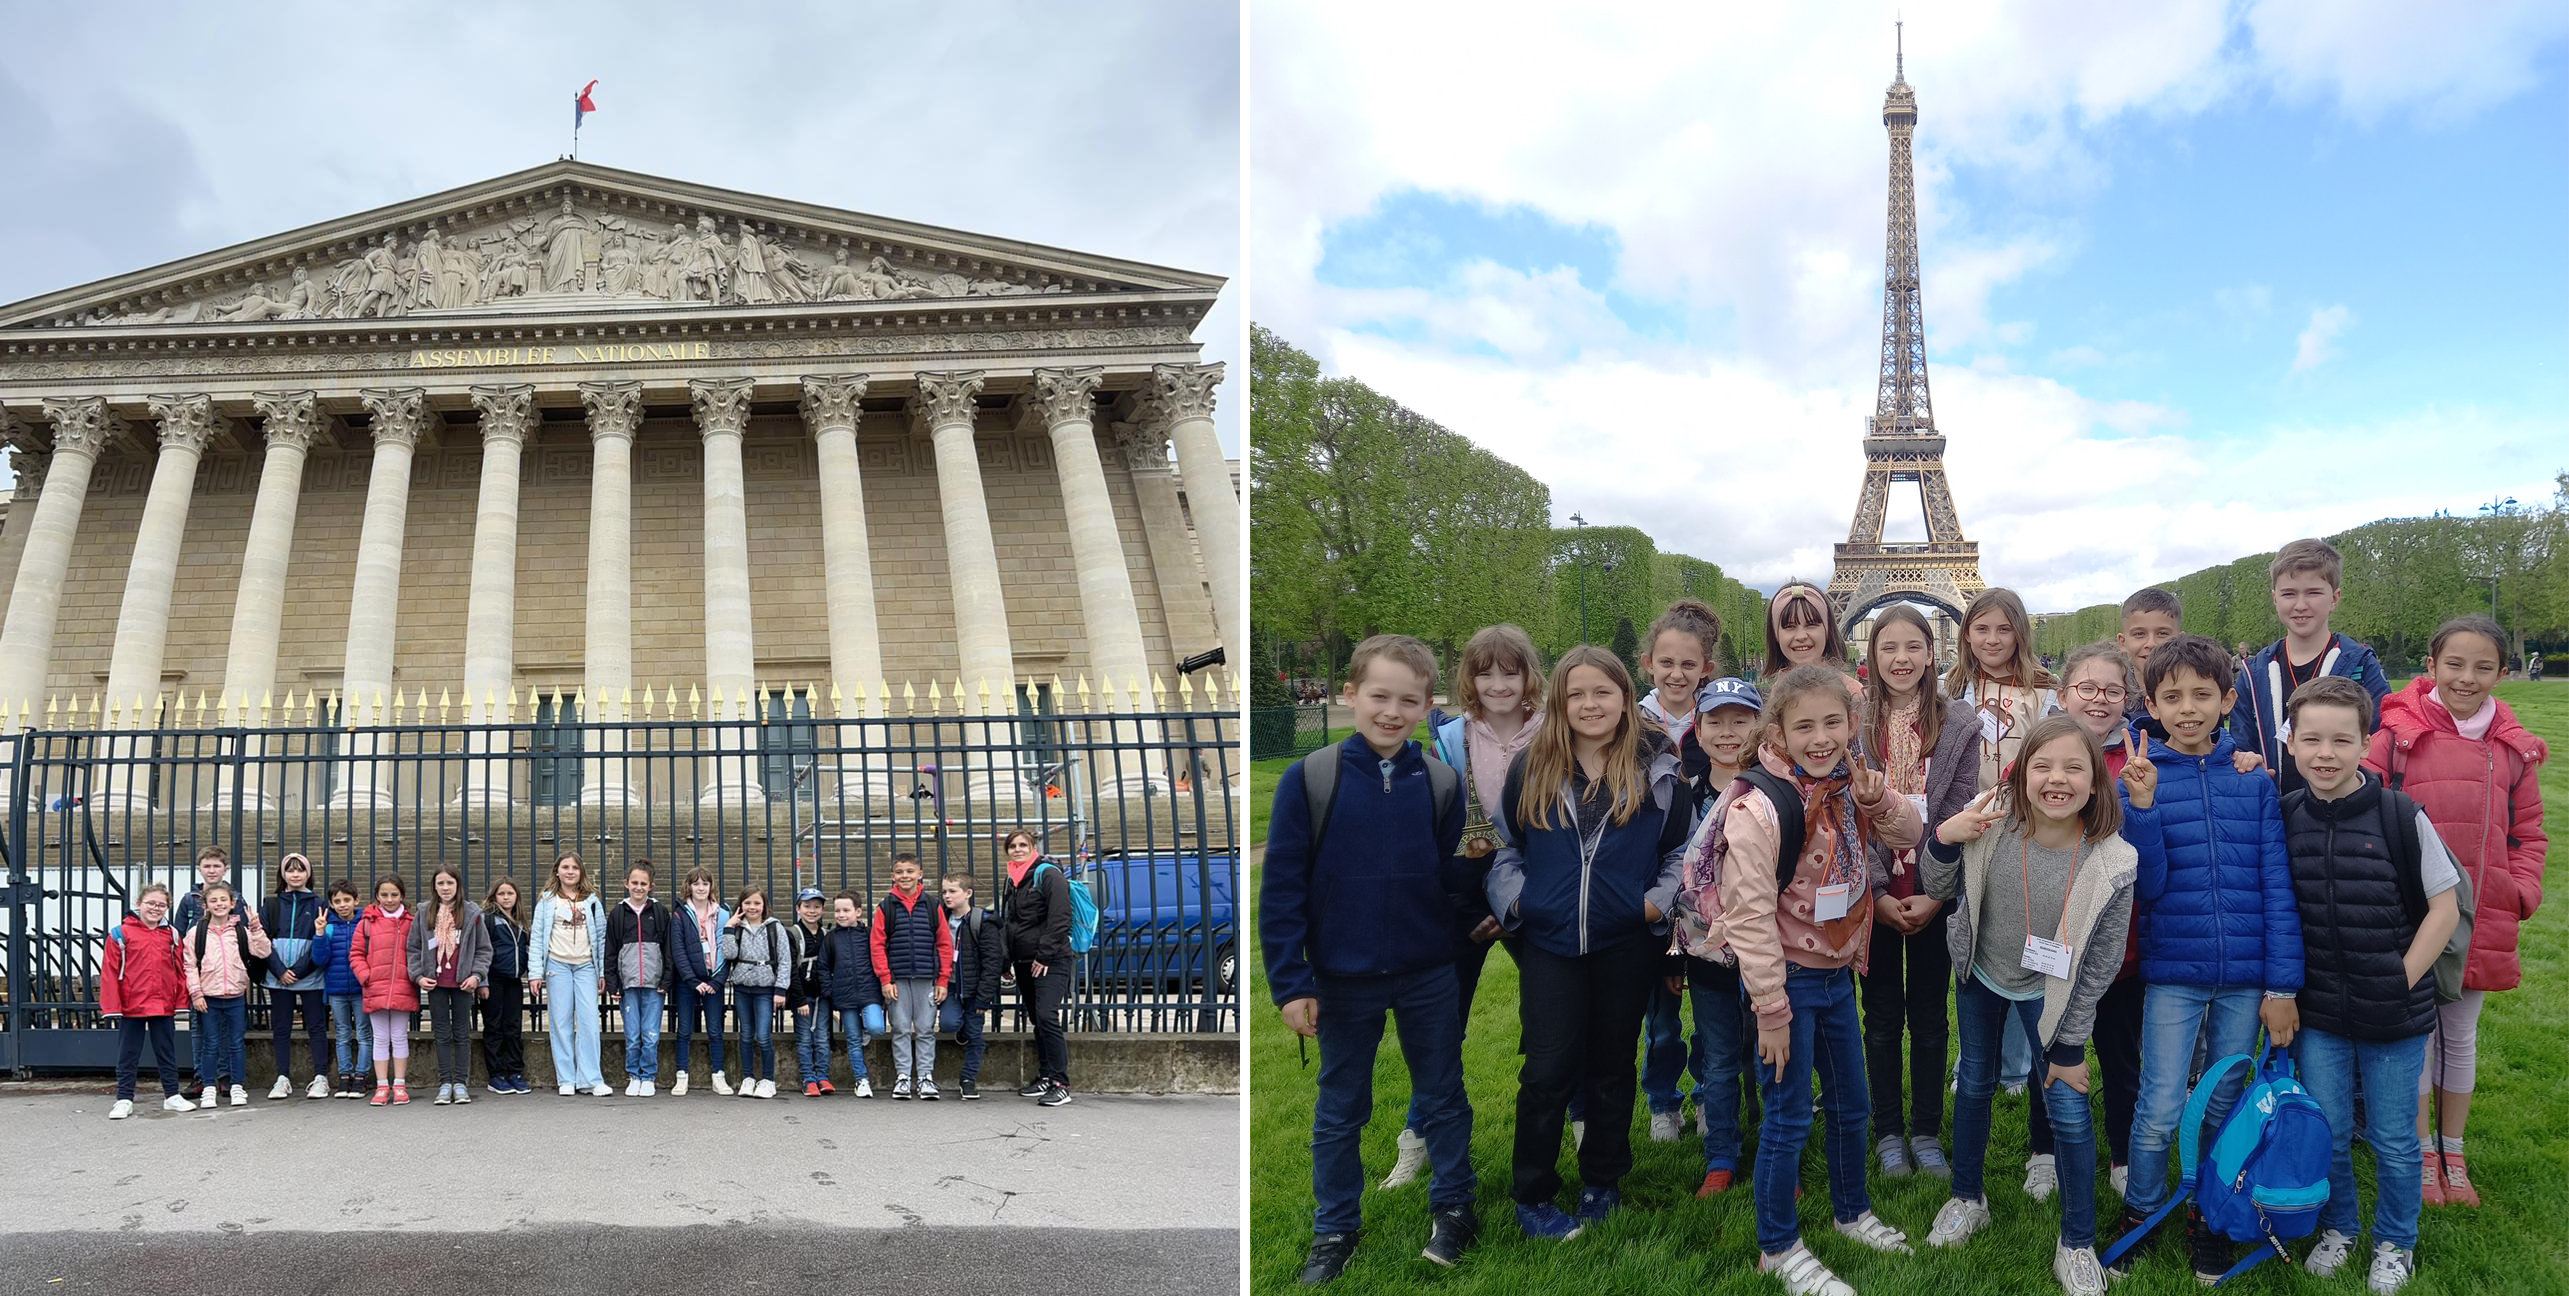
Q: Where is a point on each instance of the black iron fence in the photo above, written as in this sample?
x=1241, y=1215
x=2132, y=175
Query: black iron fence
x=1287, y=731
x=1140, y=807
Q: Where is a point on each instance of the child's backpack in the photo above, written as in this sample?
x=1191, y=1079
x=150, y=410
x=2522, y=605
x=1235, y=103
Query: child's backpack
x=1320, y=790
x=240, y=934
x=2403, y=814
x=1699, y=895
x=2268, y=1173
x=125, y=960
x=1083, y=910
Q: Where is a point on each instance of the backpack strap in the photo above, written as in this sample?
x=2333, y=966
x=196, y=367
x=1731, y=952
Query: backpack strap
x=1320, y=792
x=1444, y=782
x=2196, y=1105
x=2409, y=863
x=2398, y=775
x=1788, y=821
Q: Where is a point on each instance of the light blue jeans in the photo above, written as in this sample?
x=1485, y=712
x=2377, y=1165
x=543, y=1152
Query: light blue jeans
x=2172, y=1017
x=857, y=1024
x=571, y=1021
x=642, y=1034
x=2331, y=1066
x=354, y=1035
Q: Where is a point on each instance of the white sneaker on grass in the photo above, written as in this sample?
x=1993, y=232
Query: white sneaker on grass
x=1578, y=1134
x=282, y=1089
x=124, y=1107
x=1869, y=1229
x=2121, y=1175
x=2078, y=1270
x=177, y=1103
x=2041, y=1177
x=2329, y=1254
x=1957, y=1221
x=1802, y=1273
x=1667, y=1127
x=2392, y=1268
x=1411, y=1153
x=722, y=1084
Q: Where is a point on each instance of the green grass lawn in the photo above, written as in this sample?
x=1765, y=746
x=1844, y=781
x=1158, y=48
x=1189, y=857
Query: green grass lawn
x=1665, y=1241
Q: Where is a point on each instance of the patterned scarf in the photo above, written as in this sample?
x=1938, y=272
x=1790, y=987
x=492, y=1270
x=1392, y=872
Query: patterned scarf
x=1830, y=823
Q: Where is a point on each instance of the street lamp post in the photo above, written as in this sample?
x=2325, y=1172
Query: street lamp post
x=1582, y=545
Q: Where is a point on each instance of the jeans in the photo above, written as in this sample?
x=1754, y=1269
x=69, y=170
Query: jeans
x=965, y=1022
x=130, y=1034
x=2331, y=1067
x=692, y=1008
x=282, y=1006
x=353, y=1033
x=755, y=1006
x=2118, y=1063
x=450, y=1017
x=1467, y=983
x=571, y=1001
x=1578, y=1018
x=1904, y=989
x=1046, y=998
x=504, y=1028
x=1431, y=1043
x=1825, y=1039
x=914, y=1030
x=642, y=1010
x=1664, y=1055
x=1725, y=1040
x=1983, y=1016
x=2172, y=1017
x=221, y=1055
x=812, y=1041
x=855, y=1024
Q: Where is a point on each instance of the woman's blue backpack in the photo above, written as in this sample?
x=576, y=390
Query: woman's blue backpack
x=1083, y=911
x=2267, y=1175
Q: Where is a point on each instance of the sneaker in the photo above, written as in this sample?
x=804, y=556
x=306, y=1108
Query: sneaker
x=463, y=1095
x=864, y=1087
x=2211, y=1253
x=1716, y=1182
x=319, y=1088
x=602, y=1090
x=1957, y=1221
x=1894, y=1152
x=1057, y=1096
x=213, y=1098
x=762, y=1089
x=344, y=1086
x=828, y=1089
x=1545, y=1220
x=1409, y=1153
x=2016, y=1090
x=811, y=1089
x=678, y=1087
x=445, y=1096
x=1578, y=1134
x=177, y=1103
x=1930, y=1156
x=1037, y=1088
x=1869, y=1229
x=1328, y=1258
x=1451, y=1232
x=2392, y=1268
x=632, y=1087
x=566, y=1090
x=125, y=1107
x=1667, y=1126
x=2041, y=1177
x=969, y=1091
x=400, y=1093
x=2132, y=1220
x=2078, y=1271
x=901, y=1088
x=2120, y=1175
x=1802, y=1273
x=241, y=1098
x=2457, y=1179
x=927, y=1091
x=650, y=1088
x=383, y=1094
x=2329, y=1255
x=1597, y=1203
x=282, y=1089
x=722, y=1084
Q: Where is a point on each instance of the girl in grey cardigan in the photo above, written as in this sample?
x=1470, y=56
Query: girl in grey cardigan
x=758, y=964
x=450, y=957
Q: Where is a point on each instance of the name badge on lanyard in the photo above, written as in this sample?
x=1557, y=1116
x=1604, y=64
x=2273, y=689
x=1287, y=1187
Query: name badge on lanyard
x=1833, y=900
x=2051, y=958
x=1991, y=730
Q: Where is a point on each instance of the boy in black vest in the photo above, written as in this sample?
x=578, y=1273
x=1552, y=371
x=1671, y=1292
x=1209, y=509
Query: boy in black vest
x=1361, y=920
x=2376, y=892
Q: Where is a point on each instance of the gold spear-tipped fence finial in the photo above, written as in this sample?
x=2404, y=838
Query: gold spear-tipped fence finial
x=695, y=703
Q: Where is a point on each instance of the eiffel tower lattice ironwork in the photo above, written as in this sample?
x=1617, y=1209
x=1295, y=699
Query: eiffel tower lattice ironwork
x=1901, y=443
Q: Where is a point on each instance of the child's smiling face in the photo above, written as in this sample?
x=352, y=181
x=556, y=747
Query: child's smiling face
x=343, y=904
x=1593, y=702
x=1800, y=631
x=843, y=910
x=1815, y=730
x=2191, y=707
x=2059, y=780
x=2465, y=669
x=1677, y=667
x=2102, y=714
x=1901, y=656
x=2328, y=744
x=2143, y=632
x=1993, y=643
x=1499, y=692
x=1389, y=702
x=2303, y=601
x=1726, y=734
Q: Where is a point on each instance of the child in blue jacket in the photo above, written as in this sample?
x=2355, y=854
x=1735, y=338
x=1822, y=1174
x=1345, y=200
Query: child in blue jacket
x=845, y=971
x=2220, y=925
x=352, y=1034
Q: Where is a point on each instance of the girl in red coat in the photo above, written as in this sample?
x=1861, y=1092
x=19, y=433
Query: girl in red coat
x=141, y=987
x=379, y=954
x=2459, y=753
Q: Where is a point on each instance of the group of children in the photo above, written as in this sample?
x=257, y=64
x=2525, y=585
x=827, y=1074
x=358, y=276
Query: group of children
x=910, y=965
x=2201, y=859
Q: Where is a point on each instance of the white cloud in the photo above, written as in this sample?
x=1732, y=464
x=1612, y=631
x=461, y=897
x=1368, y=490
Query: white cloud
x=2312, y=349
x=2376, y=56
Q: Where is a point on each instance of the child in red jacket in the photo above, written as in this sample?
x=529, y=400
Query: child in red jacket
x=141, y=987
x=380, y=956
x=2458, y=752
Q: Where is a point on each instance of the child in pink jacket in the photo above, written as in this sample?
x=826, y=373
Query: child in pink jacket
x=221, y=954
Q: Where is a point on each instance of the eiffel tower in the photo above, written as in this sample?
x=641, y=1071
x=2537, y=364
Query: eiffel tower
x=1901, y=443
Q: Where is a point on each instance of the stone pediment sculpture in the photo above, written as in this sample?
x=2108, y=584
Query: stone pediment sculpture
x=571, y=237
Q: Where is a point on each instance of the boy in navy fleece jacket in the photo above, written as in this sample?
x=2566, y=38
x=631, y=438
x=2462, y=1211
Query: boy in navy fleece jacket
x=1363, y=921
x=2303, y=580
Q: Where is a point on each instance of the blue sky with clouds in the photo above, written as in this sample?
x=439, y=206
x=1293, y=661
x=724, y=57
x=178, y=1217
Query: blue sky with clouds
x=2197, y=279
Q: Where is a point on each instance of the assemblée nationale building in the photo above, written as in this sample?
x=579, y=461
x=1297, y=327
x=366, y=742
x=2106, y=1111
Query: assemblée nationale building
x=583, y=432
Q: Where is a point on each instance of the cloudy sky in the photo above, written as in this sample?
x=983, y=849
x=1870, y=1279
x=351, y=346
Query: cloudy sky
x=2200, y=276
x=138, y=135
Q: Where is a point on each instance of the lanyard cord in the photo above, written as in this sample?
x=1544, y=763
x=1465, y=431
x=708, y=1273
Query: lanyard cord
x=2025, y=878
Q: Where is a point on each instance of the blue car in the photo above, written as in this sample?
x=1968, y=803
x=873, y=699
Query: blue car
x=1165, y=920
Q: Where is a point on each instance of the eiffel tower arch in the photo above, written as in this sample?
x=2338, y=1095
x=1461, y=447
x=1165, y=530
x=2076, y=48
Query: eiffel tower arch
x=1901, y=443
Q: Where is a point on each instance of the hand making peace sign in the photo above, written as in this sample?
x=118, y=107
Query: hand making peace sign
x=1974, y=819
x=2140, y=777
x=1869, y=784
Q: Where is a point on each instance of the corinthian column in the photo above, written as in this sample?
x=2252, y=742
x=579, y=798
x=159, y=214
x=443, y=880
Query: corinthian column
x=82, y=427
x=400, y=415
x=614, y=409
x=830, y=409
x=490, y=610
x=1186, y=396
x=258, y=608
x=944, y=408
x=1062, y=403
x=731, y=655
x=142, y=621
x=1184, y=605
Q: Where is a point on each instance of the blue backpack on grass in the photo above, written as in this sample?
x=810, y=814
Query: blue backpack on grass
x=2267, y=1176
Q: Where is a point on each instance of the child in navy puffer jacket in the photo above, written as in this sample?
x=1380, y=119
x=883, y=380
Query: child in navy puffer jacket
x=352, y=1034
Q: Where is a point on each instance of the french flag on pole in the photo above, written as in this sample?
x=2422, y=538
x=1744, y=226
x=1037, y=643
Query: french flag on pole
x=581, y=106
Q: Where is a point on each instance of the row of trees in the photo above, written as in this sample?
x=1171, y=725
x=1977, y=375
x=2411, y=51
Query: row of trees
x=1372, y=518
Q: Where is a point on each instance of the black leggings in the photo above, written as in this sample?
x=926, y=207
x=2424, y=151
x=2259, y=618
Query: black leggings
x=316, y=1023
x=2118, y=1056
x=1906, y=986
x=1047, y=999
x=504, y=1028
x=1579, y=1020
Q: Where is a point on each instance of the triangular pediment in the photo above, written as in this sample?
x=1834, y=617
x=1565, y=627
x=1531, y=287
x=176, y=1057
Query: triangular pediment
x=575, y=238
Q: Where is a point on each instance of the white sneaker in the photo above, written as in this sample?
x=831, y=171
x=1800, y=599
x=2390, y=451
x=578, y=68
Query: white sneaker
x=240, y=1095
x=213, y=1098
x=603, y=1090
x=2392, y=1268
x=632, y=1087
x=1869, y=1229
x=2016, y=1090
x=650, y=1088
x=319, y=1088
x=1578, y=1134
x=1667, y=1127
x=722, y=1085
x=1412, y=1153
x=2329, y=1256
x=1957, y=1221
x=927, y=1090
x=2121, y=1175
x=767, y=1088
x=2078, y=1270
x=566, y=1090
x=2041, y=1177
x=177, y=1103
x=282, y=1089
x=748, y=1089
x=678, y=1087
x=864, y=1087
x=1802, y=1273
x=124, y=1107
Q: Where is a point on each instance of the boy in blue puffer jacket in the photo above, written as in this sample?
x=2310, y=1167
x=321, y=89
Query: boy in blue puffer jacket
x=353, y=1035
x=2220, y=924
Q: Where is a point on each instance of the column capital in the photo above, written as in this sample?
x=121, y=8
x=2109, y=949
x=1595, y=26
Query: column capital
x=1186, y=390
x=615, y=408
x=187, y=422
x=83, y=425
x=292, y=418
x=401, y=414
x=31, y=465
x=508, y=410
x=946, y=398
x=1145, y=445
x=831, y=402
x=1065, y=395
x=722, y=405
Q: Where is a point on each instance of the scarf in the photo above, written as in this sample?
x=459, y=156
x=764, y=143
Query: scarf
x=1830, y=824
x=1487, y=756
x=2477, y=727
x=445, y=938
x=1017, y=872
